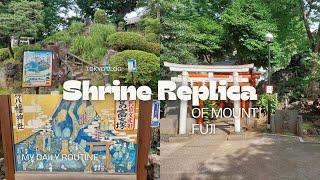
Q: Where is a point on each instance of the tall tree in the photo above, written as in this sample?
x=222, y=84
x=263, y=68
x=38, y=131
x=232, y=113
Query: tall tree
x=310, y=11
x=53, y=12
x=189, y=33
x=116, y=9
x=23, y=18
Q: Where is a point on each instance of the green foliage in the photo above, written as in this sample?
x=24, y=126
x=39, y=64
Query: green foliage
x=148, y=67
x=100, y=16
x=4, y=54
x=86, y=47
x=66, y=35
x=52, y=14
x=263, y=102
x=91, y=47
x=23, y=18
x=100, y=32
x=115, y=9
x=152, y=48
x=126, y=40
x=246, y=23
x=132, y=41
x=18, y=51
x=188, y=36
x=151, y=25
x=152, y=37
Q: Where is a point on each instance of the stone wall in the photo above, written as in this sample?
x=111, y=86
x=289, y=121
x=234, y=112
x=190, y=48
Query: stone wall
x=286, y=121
x=170, y=124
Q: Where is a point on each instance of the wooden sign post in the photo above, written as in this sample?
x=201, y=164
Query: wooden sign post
x=7, y=139
x=144, y=135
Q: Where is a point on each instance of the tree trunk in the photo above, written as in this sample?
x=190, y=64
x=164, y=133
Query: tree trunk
x=8, y=39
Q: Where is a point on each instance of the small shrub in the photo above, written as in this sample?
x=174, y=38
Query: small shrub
x=152, y=37
x=4, y=54
x=263, y=102
x=126, y=40
x=151, y=25
x=132, y=41
x=100, y=16
x=148, y=66
x=153, y=48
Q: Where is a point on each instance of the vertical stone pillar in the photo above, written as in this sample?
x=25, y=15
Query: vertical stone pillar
x=183, y=107
x=236, y=105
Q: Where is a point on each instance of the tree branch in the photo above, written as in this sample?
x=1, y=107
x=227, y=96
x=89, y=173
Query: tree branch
x=306, y=23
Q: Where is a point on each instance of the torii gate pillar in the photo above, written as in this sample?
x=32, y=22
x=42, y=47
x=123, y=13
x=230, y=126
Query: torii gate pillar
x=183, y=107
x=236, y=105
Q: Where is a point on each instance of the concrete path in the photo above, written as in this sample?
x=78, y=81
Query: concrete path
x=211, y=157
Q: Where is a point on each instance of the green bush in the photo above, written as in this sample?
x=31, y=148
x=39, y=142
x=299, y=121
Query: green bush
x=152, y=37
x=4, y=54
x=127, y=40
x=148, y=66
x=132, y=41
x=151, y=25
x=100, y=16
x=18, y=51
x=152, y=48
x=263, y=102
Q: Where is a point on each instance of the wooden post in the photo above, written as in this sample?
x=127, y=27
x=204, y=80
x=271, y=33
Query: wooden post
x=6, y=132
x=144, y=135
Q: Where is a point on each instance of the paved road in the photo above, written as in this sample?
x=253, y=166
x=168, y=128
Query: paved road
x=253, y=157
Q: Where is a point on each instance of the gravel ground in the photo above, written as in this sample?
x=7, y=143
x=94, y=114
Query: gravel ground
x=254, y=156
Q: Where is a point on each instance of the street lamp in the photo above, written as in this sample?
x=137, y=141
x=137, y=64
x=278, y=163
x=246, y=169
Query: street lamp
x=269, y=38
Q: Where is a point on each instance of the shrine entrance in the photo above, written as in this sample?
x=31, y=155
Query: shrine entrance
x=198, y=75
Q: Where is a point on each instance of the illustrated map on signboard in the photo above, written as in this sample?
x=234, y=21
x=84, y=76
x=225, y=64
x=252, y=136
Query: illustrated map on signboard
x=37, y=68
x=74, y=136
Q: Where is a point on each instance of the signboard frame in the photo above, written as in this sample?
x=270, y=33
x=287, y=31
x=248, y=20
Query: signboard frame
x=24, y=85
x=143, y=142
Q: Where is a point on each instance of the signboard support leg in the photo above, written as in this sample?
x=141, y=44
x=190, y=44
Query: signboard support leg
x=144, y=135
x=7, y=139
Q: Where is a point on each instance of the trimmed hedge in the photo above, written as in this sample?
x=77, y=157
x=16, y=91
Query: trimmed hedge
x=127, y=40
x=153, y=48
x=148, y=66
x=132, y=41
x=152, y=37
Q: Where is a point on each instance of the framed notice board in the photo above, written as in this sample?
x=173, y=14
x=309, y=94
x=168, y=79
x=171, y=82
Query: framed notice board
x=72, y=136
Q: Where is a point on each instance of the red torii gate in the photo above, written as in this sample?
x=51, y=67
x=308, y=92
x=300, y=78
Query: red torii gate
x=198, y=75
